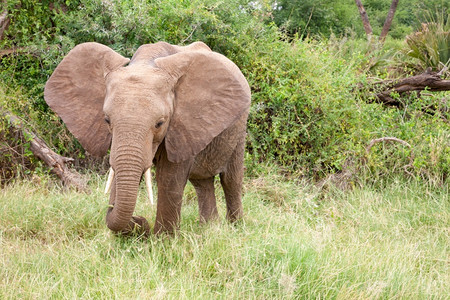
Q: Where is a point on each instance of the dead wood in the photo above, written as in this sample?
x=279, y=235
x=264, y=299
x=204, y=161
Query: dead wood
x=393, y=139
x=345, y=178
x=20, y=50
x=4, y=22
x=56, y=162
x=4, y=52
x=430, y=81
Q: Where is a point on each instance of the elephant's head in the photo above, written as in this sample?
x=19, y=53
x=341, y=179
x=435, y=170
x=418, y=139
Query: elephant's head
x=179, y=97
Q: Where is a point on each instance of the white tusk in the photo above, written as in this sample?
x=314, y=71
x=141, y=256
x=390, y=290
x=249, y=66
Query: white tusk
x=109, y=181
x=148, y=184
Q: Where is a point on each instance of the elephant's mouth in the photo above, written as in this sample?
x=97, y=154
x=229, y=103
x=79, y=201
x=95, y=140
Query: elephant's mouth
x=147, y=179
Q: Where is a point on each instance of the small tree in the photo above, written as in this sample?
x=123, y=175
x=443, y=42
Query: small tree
x=365, y=19
x=387, y=23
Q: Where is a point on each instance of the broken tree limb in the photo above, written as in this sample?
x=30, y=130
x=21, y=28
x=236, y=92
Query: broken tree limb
x=430, y=81
x=4, y=52
x=345, y=178
x=56, y=162
x=4, y=22
x=393, y=139
x=385, y=139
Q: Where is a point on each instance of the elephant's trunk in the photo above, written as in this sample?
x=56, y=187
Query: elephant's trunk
x=128, y=166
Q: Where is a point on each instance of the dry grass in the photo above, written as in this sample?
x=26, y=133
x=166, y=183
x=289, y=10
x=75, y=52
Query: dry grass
x=295, y=242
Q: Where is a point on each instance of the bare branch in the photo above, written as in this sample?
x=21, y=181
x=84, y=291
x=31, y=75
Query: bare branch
x=344, y=178
x=4, y=22
x=190, y=35
x=393, y=139
x=385, y=139
x=430, y=81
x=56, y=162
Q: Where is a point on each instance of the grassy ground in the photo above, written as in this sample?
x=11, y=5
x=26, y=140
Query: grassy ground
x=294, y=242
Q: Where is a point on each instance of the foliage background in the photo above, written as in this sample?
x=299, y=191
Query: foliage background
x=303, y=59
x=326, y=17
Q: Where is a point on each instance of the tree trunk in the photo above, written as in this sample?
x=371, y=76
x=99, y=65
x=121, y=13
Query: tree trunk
x=365, y=19
x=4, y=22
x=56, y=162
x=430, y=81
x=388, y=22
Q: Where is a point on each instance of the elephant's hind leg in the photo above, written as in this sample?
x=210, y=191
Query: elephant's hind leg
x=206, y=198
x=231, y=180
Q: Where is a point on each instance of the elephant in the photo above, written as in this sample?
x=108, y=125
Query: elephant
x=181, y=109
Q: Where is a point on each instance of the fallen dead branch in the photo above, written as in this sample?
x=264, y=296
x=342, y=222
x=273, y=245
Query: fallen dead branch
x=56, y=162
x=430, y=81
x=4, y=22
x=385, y=139
x=393, y=139
x=344, y=178
x=4, y=52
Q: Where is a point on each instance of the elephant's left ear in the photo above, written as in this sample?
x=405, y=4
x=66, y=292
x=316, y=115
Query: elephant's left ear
x=210, y=95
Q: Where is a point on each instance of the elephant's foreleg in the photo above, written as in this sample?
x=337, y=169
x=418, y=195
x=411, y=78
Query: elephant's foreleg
x=171, y=179
x=231, y=180
x=206, y=198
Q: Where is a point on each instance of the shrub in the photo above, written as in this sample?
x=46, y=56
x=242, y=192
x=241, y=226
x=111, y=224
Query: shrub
x=431, y=45
x=303, y=106
x=307, y=114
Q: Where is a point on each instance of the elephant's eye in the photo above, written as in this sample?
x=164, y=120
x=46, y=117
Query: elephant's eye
x=107, y=120
x=159, y=124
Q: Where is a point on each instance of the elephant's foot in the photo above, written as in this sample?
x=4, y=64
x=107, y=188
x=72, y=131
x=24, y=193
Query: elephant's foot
x=162, y=228
x=208, y=216
x=138, y=226
x=235, y=215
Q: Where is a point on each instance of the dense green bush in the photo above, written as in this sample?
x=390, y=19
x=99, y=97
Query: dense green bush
x=303, y=99
x=44, y=31
x=307, y=114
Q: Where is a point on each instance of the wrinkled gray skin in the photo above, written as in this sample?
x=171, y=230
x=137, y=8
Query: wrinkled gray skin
x=184, y=109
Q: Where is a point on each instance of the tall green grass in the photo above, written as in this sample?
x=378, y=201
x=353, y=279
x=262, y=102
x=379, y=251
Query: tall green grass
x=295, y=241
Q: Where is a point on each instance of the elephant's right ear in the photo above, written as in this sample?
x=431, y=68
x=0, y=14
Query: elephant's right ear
x=76, y=92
